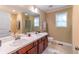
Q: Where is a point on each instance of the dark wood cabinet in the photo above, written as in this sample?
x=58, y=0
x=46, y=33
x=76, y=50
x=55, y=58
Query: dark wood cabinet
x=33, y=50
x=43, y=43
x=25, y=49
x=36, y=47
x=40, y=46
x=46, y=44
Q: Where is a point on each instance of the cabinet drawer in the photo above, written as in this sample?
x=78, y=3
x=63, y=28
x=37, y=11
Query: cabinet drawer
x=35, y=43
x=44, y=38
x=33, y=50
x=40, y=40
x=25, y=49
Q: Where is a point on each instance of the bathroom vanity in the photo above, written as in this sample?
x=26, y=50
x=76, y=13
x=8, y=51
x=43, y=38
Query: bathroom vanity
x=34, y=44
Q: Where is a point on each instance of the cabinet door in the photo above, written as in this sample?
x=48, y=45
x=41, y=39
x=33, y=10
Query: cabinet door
x=33, y=50
x=46, y=43
x=41, y=47
x=45, y=40
x=25, y=49
x=22, y=51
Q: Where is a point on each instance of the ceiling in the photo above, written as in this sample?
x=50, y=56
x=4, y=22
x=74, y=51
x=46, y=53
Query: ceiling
x=25, y=8
x=18, y=8
x=51, y=8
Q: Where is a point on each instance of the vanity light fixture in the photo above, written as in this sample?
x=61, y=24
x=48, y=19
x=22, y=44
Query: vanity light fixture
x=34, y=9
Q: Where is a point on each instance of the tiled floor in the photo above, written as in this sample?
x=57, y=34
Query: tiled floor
x=57, y=49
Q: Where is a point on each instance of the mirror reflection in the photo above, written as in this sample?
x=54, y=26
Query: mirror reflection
x=14, y=21
x=32, y=23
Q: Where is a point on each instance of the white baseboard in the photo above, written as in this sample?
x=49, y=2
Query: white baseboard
x=64, y=43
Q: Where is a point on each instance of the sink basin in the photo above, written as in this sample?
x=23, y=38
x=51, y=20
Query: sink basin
x=6, y=39
x=18, y=42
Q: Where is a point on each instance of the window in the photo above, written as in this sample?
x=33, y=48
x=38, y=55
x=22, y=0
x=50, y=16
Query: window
x=61, y=19
x=36, y=21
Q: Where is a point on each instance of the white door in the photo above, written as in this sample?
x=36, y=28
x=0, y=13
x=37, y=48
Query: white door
x=75, y=28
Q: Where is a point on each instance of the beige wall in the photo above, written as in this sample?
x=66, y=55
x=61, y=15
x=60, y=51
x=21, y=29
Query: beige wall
x=13, y=23
x=42, y=18
x=60, y=34
x=14, y=20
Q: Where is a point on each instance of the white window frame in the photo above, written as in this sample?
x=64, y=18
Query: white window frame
x=36, y=22
x=60, y=21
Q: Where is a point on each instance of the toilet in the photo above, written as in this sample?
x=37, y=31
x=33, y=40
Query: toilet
x=50, y=40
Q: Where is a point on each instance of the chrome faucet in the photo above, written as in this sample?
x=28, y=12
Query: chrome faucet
x=17, y=37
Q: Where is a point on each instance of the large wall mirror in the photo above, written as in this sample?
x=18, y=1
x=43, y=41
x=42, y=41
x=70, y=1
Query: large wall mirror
x=32, y=23
x=17, y=21
x=4, y=24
